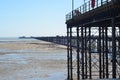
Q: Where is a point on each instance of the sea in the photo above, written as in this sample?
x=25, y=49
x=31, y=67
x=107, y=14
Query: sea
x=10, y=59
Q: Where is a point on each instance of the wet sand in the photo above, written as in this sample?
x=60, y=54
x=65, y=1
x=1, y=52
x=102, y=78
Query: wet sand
x=32, y=60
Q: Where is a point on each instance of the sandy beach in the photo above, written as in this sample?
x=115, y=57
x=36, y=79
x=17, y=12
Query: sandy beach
x=32, y=60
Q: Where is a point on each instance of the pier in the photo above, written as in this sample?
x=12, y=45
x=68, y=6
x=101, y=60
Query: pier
x=97, y=29
x=93, y=40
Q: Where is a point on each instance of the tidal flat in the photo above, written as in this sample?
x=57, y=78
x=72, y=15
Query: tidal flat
x=32, y=60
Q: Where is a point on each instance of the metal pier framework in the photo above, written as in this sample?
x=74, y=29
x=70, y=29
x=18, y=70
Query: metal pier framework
x=93, y=41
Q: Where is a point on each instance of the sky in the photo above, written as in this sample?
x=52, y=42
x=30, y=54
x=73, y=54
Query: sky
x=34, y=17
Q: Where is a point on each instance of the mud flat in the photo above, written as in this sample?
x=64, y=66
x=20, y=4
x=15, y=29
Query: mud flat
x=32, y=60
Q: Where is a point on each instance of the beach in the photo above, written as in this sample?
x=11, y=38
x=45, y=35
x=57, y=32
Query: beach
x=32, y=60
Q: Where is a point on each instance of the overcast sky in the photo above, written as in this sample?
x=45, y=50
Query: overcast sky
x=34, y=17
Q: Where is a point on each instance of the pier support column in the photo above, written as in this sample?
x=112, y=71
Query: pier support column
x=71, y=65
x=78, y=54
x=100, y=61
x=103, y=53
x=85, y=50
x=106, y=51
x=90, y=67
x=119, y=39
x=68, y=54
x=113, y=48
x=82, y=51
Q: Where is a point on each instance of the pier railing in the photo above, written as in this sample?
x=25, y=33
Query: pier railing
x=86, y=7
